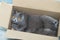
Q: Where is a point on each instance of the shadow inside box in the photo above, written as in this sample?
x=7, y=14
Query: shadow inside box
x=13, y=39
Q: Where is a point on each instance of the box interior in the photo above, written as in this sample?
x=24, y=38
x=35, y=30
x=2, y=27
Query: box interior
x=37, y=12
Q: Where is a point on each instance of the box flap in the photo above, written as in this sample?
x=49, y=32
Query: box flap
x=28, y=36
x=48, y=5
x=5, y=13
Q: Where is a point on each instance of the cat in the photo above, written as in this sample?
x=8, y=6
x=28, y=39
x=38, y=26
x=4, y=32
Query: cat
x=49, y=22
x=43, y=24
x=34, y=22
x=50, y=25
x=19, y=21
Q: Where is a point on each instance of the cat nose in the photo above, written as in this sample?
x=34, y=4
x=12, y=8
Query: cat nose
x=15, y=20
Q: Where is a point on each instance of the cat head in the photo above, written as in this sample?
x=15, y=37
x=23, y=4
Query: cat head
x=17, y=17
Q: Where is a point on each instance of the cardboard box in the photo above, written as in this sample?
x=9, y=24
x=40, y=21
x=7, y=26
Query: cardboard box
x=31, y=36
x=5, y=14
x=49, y=7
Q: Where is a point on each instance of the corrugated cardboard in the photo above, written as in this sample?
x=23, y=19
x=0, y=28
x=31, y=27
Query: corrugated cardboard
x=38, y=7
x=28, y=36
x=5, y=13
x=48, y=5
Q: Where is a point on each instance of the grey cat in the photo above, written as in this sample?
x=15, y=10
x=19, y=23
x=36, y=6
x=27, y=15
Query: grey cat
x=44, y=24
x=19, y=21
x=50, y=25
x=34, y=22
x=50, y=22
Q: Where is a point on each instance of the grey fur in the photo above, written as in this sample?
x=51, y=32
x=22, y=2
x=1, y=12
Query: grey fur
x=34, y=23
x=44, y=24
x=19, y=25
